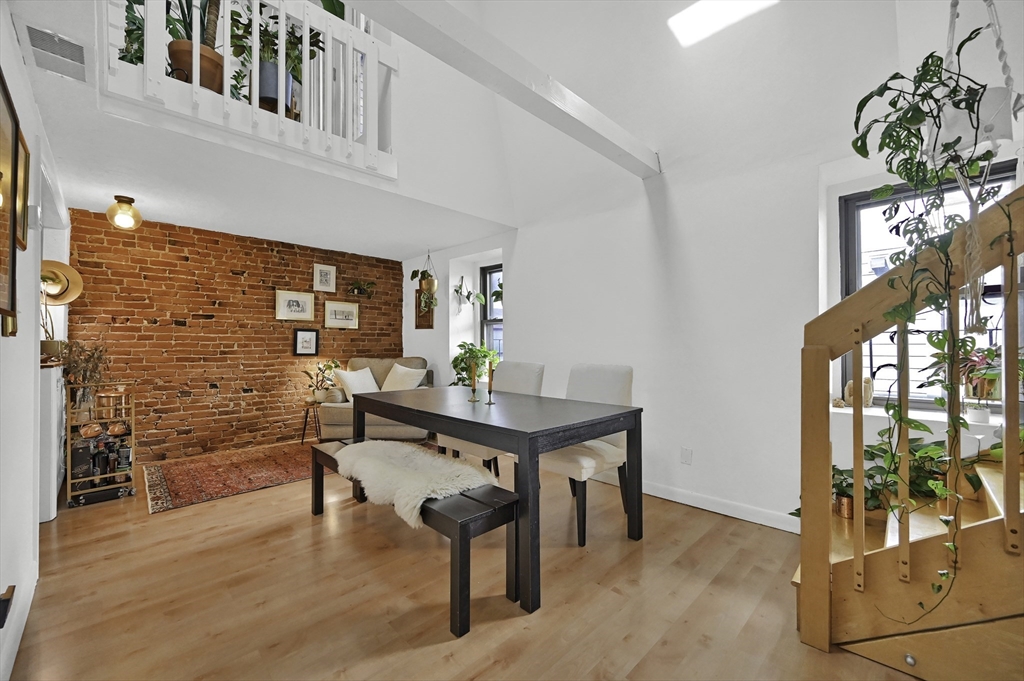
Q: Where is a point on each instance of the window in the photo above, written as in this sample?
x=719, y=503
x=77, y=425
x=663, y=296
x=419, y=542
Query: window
x=491, y=312
x=865, y=245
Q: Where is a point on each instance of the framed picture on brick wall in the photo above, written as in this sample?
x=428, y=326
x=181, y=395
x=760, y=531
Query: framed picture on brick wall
x=307, y=342
x=324, y=277
x=295, y=306
x=341, y=315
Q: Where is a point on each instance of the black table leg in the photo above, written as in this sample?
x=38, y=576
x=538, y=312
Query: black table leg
x=358, y=420
x=634, y=483
x=459, y=606
x=318, y=486
x=528, y=489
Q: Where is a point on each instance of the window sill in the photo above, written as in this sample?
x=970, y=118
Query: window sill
x=929, y=417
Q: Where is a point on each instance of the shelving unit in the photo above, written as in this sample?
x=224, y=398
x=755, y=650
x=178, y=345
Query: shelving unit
x=102, y=466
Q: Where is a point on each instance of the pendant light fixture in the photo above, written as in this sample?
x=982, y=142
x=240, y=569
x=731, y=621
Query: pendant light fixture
x=122, y=214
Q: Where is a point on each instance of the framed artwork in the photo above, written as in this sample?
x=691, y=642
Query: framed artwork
x=324, y=278
x=295, y=306
x=307, y=342
x=21, y=205
x=8, y=210
x=341, y=315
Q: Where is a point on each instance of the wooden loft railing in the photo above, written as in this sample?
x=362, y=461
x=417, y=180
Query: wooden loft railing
x=342, y=116
x=845, y=328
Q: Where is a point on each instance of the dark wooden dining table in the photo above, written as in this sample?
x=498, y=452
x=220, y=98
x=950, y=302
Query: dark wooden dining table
x=525, y=425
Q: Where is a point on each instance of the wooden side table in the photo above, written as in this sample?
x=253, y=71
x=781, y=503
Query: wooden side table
x=315, y=407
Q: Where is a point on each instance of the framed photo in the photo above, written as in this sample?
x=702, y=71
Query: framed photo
x=307, y=342
x=294, y=305
x=324, y=278
x=341, y=315
x=21, y=207
x=8, y=191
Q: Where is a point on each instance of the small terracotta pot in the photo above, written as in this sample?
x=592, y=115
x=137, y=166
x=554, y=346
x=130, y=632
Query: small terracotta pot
x=211, y=64
x=844, y=507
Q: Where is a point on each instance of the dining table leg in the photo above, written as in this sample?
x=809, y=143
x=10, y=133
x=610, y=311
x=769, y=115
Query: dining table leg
x=634, y=482
x=528, y=489
x=358, y=420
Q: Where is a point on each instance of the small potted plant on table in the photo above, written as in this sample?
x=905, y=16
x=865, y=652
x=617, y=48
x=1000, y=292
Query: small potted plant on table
x=321, y=379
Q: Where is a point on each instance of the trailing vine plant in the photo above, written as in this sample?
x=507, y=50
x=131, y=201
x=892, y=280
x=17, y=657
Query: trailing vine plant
x=918, y=151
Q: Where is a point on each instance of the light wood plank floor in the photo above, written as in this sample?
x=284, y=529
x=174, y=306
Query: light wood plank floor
x=254, y=587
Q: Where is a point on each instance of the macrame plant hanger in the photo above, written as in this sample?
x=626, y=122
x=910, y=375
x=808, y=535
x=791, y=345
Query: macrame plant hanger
x=993, y=125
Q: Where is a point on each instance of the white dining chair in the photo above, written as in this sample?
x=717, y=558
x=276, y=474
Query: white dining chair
x=525, y=378
x=610, y=384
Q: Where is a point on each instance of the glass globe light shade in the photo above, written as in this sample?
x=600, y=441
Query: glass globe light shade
x=123, y=215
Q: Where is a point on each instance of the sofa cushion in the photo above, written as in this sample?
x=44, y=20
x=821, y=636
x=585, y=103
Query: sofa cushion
x=341, y=415
x=355, y=382
x=381, y=367
x=402, y=378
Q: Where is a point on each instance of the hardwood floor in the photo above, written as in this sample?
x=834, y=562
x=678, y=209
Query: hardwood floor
x=254, y=587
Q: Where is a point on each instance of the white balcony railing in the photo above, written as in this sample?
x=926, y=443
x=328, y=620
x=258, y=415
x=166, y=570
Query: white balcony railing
x=333, y=99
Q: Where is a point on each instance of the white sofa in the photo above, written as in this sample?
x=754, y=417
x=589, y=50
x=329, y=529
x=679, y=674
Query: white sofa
x=336, y=417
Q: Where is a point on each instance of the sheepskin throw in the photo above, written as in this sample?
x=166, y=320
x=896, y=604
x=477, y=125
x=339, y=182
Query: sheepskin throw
x=407, y=475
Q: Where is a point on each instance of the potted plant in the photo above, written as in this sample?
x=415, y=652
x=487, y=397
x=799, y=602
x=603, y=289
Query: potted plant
x=464, y=294
x=362, y=288
x=179, y=50
x=84, y=366
x=980, y=375
x=241, y=48
x=321, y=379
x=428, y=285
x=471, y=356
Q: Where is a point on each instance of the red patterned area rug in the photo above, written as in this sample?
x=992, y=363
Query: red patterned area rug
x=183, y=482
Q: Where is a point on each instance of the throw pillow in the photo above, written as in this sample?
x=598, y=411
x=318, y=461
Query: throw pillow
x=335, y=396
x=355, y=382
x=402, y=378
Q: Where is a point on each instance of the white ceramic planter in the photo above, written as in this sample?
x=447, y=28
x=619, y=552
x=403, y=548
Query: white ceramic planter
x=321, y=396
x=979, y=416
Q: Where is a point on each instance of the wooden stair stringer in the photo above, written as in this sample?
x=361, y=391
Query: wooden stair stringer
x=988, y=586
x=982, y=651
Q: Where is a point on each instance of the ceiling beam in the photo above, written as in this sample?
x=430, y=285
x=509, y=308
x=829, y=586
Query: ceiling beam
x=440, y=29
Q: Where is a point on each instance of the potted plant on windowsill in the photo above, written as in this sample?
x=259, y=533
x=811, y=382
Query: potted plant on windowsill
x=980, y=377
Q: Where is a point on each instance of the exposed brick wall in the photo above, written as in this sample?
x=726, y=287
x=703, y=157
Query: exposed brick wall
x=188, y=314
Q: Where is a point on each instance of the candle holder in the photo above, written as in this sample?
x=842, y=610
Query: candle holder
x=474, y=397
x=489, y=399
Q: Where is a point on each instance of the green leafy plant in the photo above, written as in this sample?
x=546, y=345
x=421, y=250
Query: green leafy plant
x=422, y=275
x=497, y=294
x=179, y=26
x=322, y=376
x=910, y=134
x=464, y=294
x=362, y=288
x=241, y=46
x=470, y=354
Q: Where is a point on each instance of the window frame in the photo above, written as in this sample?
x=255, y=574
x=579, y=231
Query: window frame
x=850, y=274
x=485, y=321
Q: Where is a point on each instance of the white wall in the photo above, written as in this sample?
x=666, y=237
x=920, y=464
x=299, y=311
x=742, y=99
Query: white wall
x=19, y=377
x=438, y=345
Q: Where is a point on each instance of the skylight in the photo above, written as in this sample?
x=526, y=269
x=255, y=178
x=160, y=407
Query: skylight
x=707, y=17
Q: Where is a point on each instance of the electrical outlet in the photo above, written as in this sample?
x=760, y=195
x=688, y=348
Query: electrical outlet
x=686, y=456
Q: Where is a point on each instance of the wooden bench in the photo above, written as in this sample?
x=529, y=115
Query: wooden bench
x=461, y=518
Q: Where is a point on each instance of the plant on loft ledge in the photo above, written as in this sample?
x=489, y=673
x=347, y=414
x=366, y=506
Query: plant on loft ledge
x=428, y=285
x=241, y=48
x=362, y=288
x=469, y=356
x=939, y=131
x=179, y=50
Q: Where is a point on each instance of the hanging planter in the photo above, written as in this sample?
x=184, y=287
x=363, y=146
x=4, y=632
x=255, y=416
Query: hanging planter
x=428, y=285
